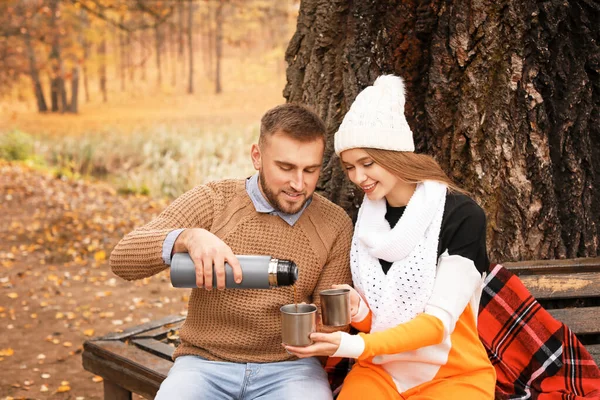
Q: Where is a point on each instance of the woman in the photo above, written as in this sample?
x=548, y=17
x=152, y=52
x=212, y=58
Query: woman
x=418, y=255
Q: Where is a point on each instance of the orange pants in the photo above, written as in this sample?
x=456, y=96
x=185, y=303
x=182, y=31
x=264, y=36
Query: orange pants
x=367, y=383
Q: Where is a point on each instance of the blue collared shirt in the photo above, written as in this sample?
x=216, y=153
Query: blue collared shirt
x=260, y=204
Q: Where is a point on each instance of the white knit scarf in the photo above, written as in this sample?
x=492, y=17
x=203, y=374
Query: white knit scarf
x=411, y=247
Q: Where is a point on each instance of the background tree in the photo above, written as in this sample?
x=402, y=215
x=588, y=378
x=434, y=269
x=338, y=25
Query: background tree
x=218, y=44
x=106, y=41
x=190, y=39
x=504, y=94
x=102, y=66
x=85, y=45
x=58, y=94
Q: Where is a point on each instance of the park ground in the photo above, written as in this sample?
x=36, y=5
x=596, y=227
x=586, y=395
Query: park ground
x=57, y=231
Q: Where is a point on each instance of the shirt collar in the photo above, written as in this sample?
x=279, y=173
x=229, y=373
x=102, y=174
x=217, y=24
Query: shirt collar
x=263, y=206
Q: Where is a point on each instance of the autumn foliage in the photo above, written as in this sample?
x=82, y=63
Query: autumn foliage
x=61, y=48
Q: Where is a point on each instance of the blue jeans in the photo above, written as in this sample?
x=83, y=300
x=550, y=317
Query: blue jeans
x=194, y=378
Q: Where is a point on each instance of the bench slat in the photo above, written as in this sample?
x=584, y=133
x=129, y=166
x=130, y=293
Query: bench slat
x=159, y=323
x=574, y=265
x=562, y=286
x=160, y=332
x=582, y=321
x=130, y=357
x=594, y=350
x=155, y=347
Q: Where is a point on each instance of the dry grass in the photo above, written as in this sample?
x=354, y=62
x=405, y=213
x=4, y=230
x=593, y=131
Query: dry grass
x=156, y=142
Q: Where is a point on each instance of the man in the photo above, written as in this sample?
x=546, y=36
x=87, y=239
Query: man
x=231, y=340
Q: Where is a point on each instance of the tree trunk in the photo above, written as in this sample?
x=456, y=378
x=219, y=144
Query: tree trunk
x=54, y=91
x=86, y=87
x=102, y=66
x=158, y=49
x=218, y=45
x=130, y=66
x=277, y=28
x=122, y=57
x=180, y=44
x=57, y=82
x=74, y=90
x=114, y=49
x=85, y=45
x=505, y=95
x=35, y=75
x=190, y=29
x=207, y=44
x=62, y=87
x=143, y=56
x=172, y=57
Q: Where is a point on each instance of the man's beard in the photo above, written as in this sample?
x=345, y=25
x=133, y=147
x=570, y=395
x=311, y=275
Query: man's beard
x=272, y=198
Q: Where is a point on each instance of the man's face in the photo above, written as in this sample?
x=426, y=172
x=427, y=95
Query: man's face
x=288, y=170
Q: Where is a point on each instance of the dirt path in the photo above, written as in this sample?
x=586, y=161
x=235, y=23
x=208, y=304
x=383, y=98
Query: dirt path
x=56, y=289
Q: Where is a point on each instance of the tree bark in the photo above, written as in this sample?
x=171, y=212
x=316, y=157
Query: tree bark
x=190, y=29
x=505, y=95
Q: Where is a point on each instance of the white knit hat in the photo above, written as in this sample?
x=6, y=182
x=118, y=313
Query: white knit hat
x=376, y=119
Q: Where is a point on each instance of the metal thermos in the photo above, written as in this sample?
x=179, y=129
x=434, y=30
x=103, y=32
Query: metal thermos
x=258, y=272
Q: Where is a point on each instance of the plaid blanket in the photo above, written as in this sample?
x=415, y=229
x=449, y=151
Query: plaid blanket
x=535, y=356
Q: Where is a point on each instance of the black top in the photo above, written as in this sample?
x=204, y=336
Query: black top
x=462, y=232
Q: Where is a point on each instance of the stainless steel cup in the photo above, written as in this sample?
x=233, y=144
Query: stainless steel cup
x=335, y=307
x=297, y=323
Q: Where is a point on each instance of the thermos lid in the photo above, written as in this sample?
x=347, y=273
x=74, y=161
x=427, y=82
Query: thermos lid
x=287, y=272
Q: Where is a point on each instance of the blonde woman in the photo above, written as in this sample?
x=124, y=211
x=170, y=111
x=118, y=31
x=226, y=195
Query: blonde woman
x=418, y=255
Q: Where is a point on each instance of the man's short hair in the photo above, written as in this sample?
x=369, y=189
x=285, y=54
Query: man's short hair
x=295, y=120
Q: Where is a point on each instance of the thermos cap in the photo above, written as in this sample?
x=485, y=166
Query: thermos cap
x=287, y=272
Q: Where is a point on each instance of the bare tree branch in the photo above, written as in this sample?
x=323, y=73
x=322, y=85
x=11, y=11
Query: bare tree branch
x=100, y=11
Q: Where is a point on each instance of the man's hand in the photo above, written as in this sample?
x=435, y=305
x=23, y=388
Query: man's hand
x=208, y=252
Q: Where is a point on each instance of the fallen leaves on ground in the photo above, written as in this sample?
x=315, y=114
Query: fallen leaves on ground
x=56, y=288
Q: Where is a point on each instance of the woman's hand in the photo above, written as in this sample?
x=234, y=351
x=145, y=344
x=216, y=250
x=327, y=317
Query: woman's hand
x=325, y=344
x=354, y=298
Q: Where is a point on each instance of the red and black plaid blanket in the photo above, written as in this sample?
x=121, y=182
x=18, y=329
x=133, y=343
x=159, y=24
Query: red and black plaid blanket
x=535, y=356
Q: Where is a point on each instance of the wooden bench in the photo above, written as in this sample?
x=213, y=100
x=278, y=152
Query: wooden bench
x=570, y=291
x=137, y=360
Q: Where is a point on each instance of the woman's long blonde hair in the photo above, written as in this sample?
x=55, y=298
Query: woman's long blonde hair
x=412, y=167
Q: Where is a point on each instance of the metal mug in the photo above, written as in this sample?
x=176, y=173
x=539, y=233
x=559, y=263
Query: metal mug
x=335, y=307
x=298, y=321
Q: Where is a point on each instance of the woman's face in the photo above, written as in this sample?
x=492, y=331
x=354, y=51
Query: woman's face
x=374, y=180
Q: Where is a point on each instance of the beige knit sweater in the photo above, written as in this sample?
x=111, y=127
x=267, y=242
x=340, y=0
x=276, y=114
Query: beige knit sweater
x=243, y=325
